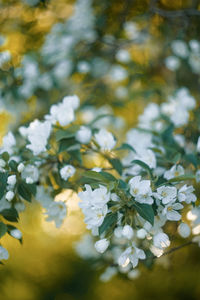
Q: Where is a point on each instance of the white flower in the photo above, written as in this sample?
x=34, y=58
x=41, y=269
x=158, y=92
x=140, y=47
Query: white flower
x=30, y=174
x=175, y=171
x=161, y=240
x=105, y=140
x=71, y=101
x=101, y=245
x=63, y=112
x=172, y=63
x=185, y=194
x=118, y=73
x=108, y=274
x=94, y=205
x=38, y=134
x=127, y=232
x=180, y=48
x=56, y=212
x=67, y=172
x=166, y=194
x=9, y=195
x=11, y=180
x=8, y=143
x=141, y=233
x=16, y=233
x=83, y=135
x=2, y=163
x=3, y=253
x=123, y=56
x=131, y=254
x=170, y=211
x=141, y=190
x=20, y=167
x=184, y=230
x=133, y=274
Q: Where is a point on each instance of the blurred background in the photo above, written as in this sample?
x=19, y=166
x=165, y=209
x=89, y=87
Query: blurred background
x=113, y=55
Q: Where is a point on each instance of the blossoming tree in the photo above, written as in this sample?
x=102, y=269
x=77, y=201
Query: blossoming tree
x=133, y=183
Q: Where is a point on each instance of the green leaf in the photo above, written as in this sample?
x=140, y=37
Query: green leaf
x=182, y=178
x=108, y=176
x=191, y=158
x=96, y=176
x=126, y=147
x=13, y=165
x=66, y=144
x=67, y=133
x=10, y=214
x=5, y=156
x=100, y=117
x=108, y=222
x=143, y=165
x=3, y=229
x=26, y=190
x=117, y=165
x=3, y=183
x=145, y=211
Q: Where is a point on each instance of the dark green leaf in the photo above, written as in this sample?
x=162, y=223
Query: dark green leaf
x=126, y=147
x=117, y=165
x=13, y=165
x=109, y=221
x=3, y=229
x=143, y=165
x=96, y=176
x=67, y=133
x=10, y=214
x=26, y=190
x=3, y=183
x=145, y=211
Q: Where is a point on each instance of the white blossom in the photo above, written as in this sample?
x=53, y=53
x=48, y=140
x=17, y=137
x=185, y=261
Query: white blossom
x=3, y=253
x=83, y=135
x=141, y=190
x=175, y=171
x=16, y=233
x=38, y=134
x=67, y=171
x=30, y=173
x=9, y=143
x=56, y=212
x=185, y=194
x=101, y=245
x=171, y=213
x=12, y=180
x=131, y=254
x=166, y=194
x=128, y=232
x=161, y=240
x=105, y=140
x=10, y=195
x=184, y=230
x=20, y=167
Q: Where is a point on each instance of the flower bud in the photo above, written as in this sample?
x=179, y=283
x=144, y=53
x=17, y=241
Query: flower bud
x=184, y=230
x=11, y=180
x=101, y=245
x=141, y=233
x=16, y=233
x=128, y=232
x=20, y=167
x=9, y=195
x=84, y=135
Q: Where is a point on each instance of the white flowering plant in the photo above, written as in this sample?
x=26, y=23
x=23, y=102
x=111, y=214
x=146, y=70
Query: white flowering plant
x=138, y=187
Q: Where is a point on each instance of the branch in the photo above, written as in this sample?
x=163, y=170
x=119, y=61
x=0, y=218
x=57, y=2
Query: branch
x=172, y=13
x=172, y=250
